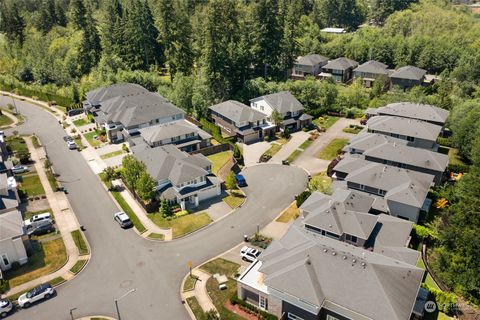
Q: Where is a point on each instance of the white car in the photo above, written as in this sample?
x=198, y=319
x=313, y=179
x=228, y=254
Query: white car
x=38, y=220
x=43, y=291
x=71, y=145
x=5, y=307
x=123, y=219
x=249, y=254
x=19, y=169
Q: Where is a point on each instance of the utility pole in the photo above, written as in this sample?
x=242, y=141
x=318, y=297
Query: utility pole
x=116, y=302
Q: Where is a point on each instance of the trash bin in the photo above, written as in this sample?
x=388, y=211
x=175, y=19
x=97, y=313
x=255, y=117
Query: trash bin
x=245, y=238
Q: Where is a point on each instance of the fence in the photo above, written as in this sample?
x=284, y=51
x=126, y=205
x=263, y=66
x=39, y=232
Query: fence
x=213, y=149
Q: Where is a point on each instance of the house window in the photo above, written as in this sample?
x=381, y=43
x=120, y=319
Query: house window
x=361, y=187
x=329, y=317
x=382, y=192
x=262, y=302
x=5, y=260
x=395, y=135
x=411, y=139
x=291, y=316
x=262, y=108
x=351, y=238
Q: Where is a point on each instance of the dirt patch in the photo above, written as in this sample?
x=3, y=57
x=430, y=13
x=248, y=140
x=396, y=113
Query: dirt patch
x=236, y=309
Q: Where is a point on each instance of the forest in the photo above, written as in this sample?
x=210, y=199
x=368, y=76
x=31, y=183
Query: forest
x=199, y=52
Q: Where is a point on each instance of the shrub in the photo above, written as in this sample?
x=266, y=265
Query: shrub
x=15, y=266
x=249, y=307
x=266, y=138
x=302, y=197
x=4, y=286
x=446, y=302
x=447, y=142
x=458, y=167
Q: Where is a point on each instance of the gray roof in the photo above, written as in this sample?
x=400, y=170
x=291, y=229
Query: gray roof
x=282, y=101
x=409, y=72
x=115, y=90
x=367, y=140
x=138, y=109
x=404, y=126
x=11, y=225
x=374, y=67
x=237, y=111
x=345, y=211
x=324, y=271
x=412, y=110
x=341, y=64
x=401, y=185
x=169, y=163
x=311, y=60
x=172, y=129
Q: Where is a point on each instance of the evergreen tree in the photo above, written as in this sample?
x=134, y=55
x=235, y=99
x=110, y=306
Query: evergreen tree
x=11, y=22
x=112, y=28
x=338, y=13
x=47, y=18
x=290, y=34
x=78, y=14
x=60, y=17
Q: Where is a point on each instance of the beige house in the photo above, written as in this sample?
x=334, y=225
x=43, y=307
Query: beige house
x=12, y=236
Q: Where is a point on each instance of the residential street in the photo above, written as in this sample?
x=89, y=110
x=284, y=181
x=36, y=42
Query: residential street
x=121, y=260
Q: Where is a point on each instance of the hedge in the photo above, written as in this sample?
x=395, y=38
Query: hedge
x=447, y=142
x=215, y=131
x=446, y=302
x=260, y=313
x=458, y=167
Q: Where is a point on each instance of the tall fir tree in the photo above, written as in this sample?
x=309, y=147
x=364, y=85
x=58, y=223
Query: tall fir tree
x=290, y=48
x=60, y=17
x=11, y=22
x=112, y=28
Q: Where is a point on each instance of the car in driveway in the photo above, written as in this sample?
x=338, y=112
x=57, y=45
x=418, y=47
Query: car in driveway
x=5, y=308
x=71, y=145
x=41, y=229
x=240, y=179
x=43, y=291
x=38, y=219
x=67, y=138
x=249, y=254
x=123, y=220
x=20, y=169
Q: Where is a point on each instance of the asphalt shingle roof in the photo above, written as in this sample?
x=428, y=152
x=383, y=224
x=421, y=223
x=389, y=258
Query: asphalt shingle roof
x=409, y=72
x=406, y=127
x=412, y=110
x=115, y=90
x=311, y=60
x=237, y=111
x=172, y=129
x=282, y=101
x=341, y=64
x=11, y=225
x=374, y=67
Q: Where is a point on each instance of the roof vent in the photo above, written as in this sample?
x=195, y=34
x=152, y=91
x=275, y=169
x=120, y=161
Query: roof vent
x=334, y=253
x=344, y=257
x=364, y=265
x=325, y=250
x=354, y=260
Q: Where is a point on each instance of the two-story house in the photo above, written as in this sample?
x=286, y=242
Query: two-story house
x=399, y=192
x=181, y=178
x=307, y=276
x=309, y=65
x=395, y=152
x=123, y=115
x=340, y=70
x=417, y=133
x=371, y=71
x=239, y=120
x=184, y=135
x=407, y=77
x=95, y=98
x=287, y=106
x=424, y=112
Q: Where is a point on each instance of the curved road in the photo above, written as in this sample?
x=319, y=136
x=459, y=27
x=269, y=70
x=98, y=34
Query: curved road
x=122, y=260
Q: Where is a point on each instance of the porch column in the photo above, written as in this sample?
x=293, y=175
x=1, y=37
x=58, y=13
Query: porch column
x=196, y=200
x=182, y=204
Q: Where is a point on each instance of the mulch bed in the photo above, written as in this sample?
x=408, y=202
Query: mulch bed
x=236, y=309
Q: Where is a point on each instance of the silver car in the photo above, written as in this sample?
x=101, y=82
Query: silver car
x=5, y=308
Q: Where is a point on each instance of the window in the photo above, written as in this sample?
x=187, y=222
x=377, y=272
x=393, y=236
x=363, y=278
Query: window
x=411, y=139
x=5, y=260
x=262, y=302
x=351, y=238
x=291, y=316
x=262, y=108
x=395, y=135
x=382, y=192
x=329, y=317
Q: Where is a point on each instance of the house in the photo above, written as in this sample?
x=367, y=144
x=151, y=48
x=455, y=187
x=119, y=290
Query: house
x=95, y=97
x=287, y=106
x=334, y=30
x=371, y=71
x=395, y=152
x=239, y=120
x=12, y=237
x=399, y=192
x=345, y=216
x=181, y=178
x=340, y=70
x=424, y=112
x=123, y=115
x=183, y=134
x=309, y=65
x=308, y=276
x=417, y=133
x=408, y=77
x=9, y=199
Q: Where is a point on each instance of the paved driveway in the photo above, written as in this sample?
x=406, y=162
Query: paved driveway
x=253, y=152
x=295, y=141
x=121, y=260
x=308, y=159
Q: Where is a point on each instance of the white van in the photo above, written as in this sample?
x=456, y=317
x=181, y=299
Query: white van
x=38, y=220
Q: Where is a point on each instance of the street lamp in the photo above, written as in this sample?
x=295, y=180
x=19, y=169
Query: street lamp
x=71, y=312
x=123, y=296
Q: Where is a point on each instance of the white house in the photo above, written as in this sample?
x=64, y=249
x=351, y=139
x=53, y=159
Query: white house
x=12, y=248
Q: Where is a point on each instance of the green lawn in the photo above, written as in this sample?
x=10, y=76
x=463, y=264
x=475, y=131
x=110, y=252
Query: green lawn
x=291, y=213
x=93, y=142
x=196, y=308
x=156, y=236
x=51, y=179
x=354, y=129
x=274, y=148
x=80, y=242
x=126, y=208
x=428, y=279
x=454, y=158
x=47, y=257
x=112, y=154
x=234, y=199
x=78, y=266
x=325, y=121
x=221, y=266
x=5, y=121
x=183, y=225
x=305, y=144
x=36, y=141
x=219, y=160
x=30, y=186
x=79, y=143
x=321, y=182
x=16, y=144
x=332, y=149
x=189, y=283
x=56, y=281
x=294, y=155
x=220, y=297
x=81, y=122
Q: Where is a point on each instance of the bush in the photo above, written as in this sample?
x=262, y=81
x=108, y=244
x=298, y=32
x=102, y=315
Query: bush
x=249, y=307
x=447, y=142
x=23, y=156
x=446, y=302
x=266, y=138
x=302, y=197
x=15, y=265
x=458, y=167
x=4, y=286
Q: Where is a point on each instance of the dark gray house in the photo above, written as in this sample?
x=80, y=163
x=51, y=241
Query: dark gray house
x=371, y=71
x=309, y=65
x=424, y=112
x=408, y=77
x=340, y=70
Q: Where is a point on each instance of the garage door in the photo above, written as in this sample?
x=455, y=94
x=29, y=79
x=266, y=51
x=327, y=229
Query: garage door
x=208, y=193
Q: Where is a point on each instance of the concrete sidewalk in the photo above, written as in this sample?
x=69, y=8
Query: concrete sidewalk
x=297, y=138
x=65, y=221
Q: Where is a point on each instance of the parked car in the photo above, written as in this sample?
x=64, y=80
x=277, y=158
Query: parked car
x=71, y=145
x=5, y=308
x=38, y=219
x=20, y=169
x=41, y=229
x=43, y=291
x=249, y=254
x=123, y=220
x=241, y=182
x=67, y=138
